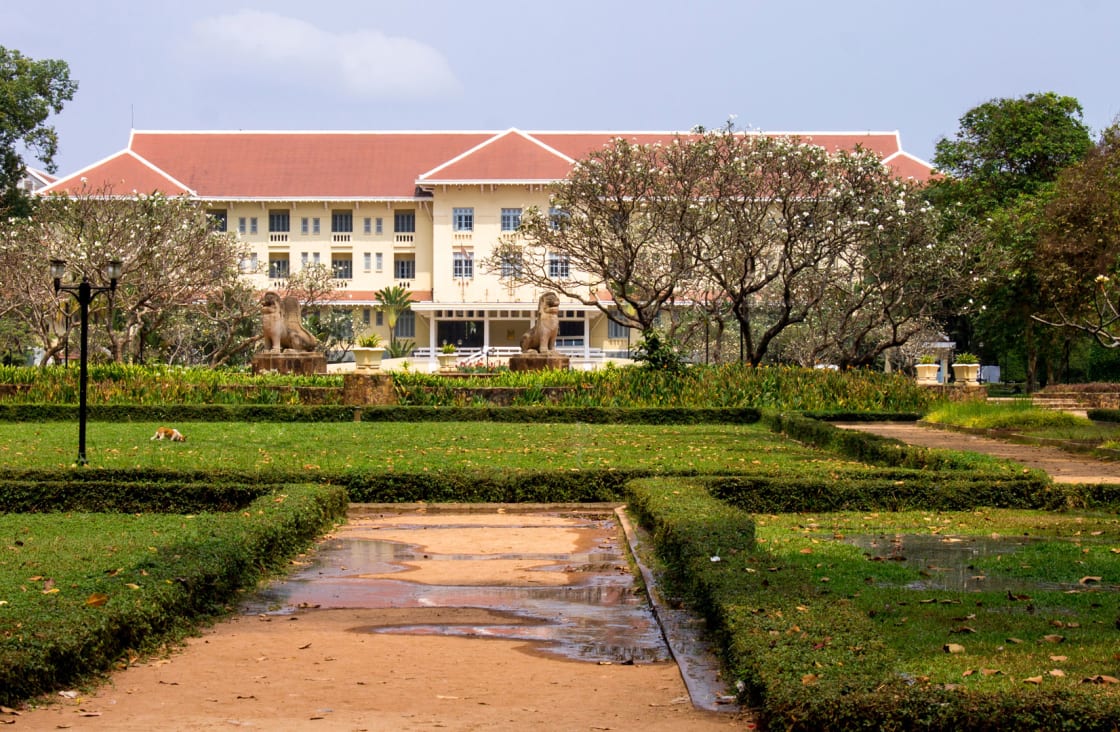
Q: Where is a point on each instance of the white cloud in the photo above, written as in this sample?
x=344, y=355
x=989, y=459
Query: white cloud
x=364, y=62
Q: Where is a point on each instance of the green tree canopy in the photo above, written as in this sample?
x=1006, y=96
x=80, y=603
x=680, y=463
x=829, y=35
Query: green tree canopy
x=1010, y=147
x=30, y=91
x=999, y=169
x=1079, y=247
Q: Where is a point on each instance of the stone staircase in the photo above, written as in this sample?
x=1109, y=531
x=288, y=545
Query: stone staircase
x=1064, y=399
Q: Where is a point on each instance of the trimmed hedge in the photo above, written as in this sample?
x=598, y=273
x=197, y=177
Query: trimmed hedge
x=780, y=632
x=293, y=413
x=185, y=581
x=1103, y=415
x=878, y=450
x=918, y=490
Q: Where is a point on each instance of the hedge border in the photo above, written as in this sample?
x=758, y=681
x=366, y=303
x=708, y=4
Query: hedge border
x=190, y=580
x=296, y=413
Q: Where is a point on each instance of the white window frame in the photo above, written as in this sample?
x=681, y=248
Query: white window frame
x=462, y=265
x=462, y=219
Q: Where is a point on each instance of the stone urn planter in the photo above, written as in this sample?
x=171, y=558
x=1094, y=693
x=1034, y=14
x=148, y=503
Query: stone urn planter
x=967, y=374
x=927, y=373
x=367, y=360
x=447, y=361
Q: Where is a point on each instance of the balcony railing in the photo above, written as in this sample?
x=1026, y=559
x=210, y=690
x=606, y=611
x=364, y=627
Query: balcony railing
x=278, y=237
x=405, y=240
x=340, y=238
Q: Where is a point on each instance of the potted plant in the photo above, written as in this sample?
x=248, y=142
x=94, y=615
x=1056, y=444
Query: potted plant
x=927, y=368
x=966, y=369
x=447, y=356
x=368, y=353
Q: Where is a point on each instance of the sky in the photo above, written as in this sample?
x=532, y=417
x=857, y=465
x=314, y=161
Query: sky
x=915, y=66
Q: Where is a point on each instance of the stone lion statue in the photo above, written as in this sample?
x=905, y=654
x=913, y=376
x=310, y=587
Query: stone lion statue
x=541, y=338
x=282, y=329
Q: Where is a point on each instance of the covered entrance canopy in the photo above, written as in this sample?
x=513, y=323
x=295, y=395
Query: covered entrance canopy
x=489, y=326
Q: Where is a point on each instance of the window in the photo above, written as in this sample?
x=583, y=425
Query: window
x=278, y=221
x=366, y=225
x=367, y=260
x=342, y=222
x=315, y=258
x=380, y=316
x=511, y=265
x=406, y=325
x=462, y=265
x=404, y=222
x=278, y=266
x=380, y=259
x=303, y=259
x=557, y=217
x=241, y=228
x=304, y=225
x=252, y=224
x=511, y=219
x=342, y=268
x=218, y=221
x=365, y=316
x=380, y=226
x=616, y=331
x=404, y=268
x=462, y=219
x=558, y=266
x=250, y=264
x=315, y=225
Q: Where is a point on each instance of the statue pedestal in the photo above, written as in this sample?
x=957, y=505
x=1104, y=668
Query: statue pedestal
x=539, y=362
x=367, y=389
x=296, y=362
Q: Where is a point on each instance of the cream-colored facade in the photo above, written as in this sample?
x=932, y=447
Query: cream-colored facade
x=423, y=210
x=435, y=248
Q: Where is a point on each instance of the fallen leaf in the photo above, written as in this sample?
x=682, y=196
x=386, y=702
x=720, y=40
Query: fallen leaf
x=953, y=648
x=97, y=599
x=809, y=679
x=1057, y=672
x=991, y=672
x=1033, y=680
x=1054, y=638
x=1101, y=679
x=1089, y=580
x=963, y=629
x=1059, y=659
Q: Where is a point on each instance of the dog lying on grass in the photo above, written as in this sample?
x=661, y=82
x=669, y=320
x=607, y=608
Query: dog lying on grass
x=169, y=433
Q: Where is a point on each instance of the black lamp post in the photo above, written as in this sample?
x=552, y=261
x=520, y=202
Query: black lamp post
x=84, y=293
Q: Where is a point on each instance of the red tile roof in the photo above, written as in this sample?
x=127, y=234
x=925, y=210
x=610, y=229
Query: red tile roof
x=377, y=165
x=509, y=157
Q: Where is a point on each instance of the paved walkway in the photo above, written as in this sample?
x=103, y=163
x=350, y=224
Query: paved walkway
x=1062, y=466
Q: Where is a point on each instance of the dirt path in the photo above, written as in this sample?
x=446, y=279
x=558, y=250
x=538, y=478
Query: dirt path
x=369, y=636
x=1062, y=466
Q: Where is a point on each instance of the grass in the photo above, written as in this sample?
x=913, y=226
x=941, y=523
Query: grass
x=407, y=447
x=1045, y=625
x=1021, y=417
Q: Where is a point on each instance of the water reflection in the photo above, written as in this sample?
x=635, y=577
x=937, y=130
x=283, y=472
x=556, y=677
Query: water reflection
x=601, y=615
x=950, y=562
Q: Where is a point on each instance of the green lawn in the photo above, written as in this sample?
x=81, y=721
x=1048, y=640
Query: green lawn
x=407, y=446
x=1024, y=610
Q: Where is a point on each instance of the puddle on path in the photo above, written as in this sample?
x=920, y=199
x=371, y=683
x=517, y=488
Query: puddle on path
x=948, y=562
x=599, y=614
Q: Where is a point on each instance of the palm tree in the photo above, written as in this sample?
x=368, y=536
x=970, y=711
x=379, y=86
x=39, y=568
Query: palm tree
x=395, y=300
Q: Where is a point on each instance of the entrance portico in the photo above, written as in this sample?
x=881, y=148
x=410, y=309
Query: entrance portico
x=498, y=327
